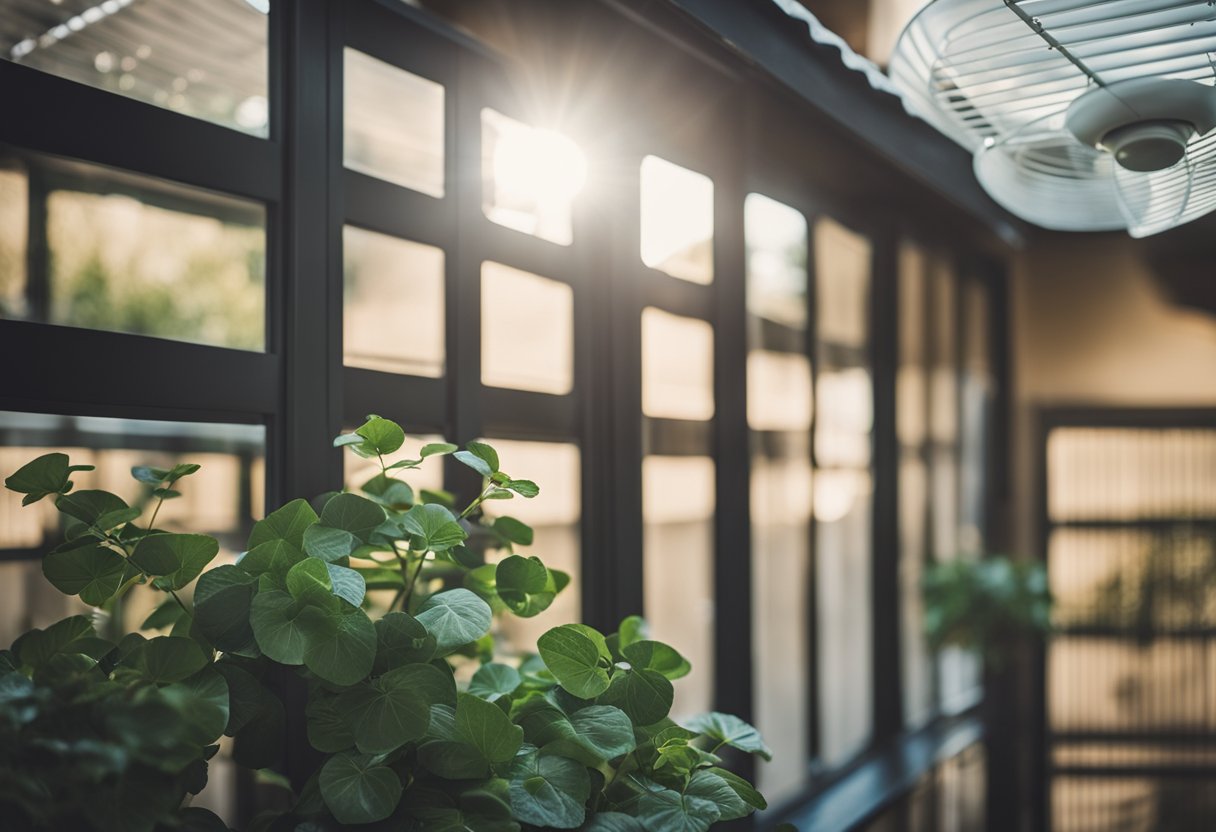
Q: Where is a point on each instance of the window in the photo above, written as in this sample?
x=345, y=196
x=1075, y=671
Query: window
x=678, y=540
x=677, y=221
x=843, y=491
x=152, y=51
x=127, y=253
x=527, y=331
x=530, y=177
x=779, y=405
x=677, y=366
x=393, y=124
x=393, y=317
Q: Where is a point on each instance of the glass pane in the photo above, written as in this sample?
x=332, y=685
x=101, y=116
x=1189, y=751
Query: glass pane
x=776, y=262
x=917, y=664
x=912, y=380
x=779, y=406
x=677, y=366
x=781, y=542
x=393, y=124
x=554, y=516
x=132, y=254
x=842, y=555
x=530, y=177
x=943, y=406
x=14, y=230
x=204, y=58
x=527, y=331
x=220, y=500
x=846, y=417
x=842, y=275
x=677, y=221
x=678, y=576
x=393, y=312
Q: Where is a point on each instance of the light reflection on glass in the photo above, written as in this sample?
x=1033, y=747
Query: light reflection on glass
x=527, y=331
x=393, y=313
x=530, y=177
x=776, y=236
x=678, y=575
x=677, y=366
x=14, y=232
x=842, y=275
x=394, y=124
x=677, y=221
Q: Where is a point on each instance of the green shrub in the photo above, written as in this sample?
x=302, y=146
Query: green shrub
x=116, y=735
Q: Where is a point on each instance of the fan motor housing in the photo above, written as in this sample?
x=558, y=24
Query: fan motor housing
x=1145, y=123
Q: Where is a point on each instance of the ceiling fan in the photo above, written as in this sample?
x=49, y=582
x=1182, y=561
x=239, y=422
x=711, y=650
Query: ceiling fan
x=1083, y=115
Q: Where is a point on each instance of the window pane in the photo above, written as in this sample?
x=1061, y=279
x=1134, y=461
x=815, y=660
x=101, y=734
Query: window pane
x=554, y=516
x=220, y=500
x=527, y=331
x=678, y=576
x=393, y=312
x=779, y=403
x=677, y=221
x=843, y=491
x=776, y=263
x=842, y=555
x=677, y=366
x=204, y=58
x=530, y=177
x=131, y=254
x=842, y=275
x=393, y=124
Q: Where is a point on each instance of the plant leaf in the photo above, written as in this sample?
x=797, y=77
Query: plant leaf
x=329, y=545
x=655, y=655
x=222, y=600
x=673, y=812
x=574, y=659
x=401, y=639
x=513, y=530
x=286, y=523
x=93, y=572
x=341, y=645
x=549, y=791
x=356, y=789
x=730, y=730
x=48, y=474
x=644, y=695
x=455, y=618
x=275, y=619
x=387, y=712
x=89, y=506
x=191, y=551
x=381, y=436
x=524, y=585
x=487, y=728
x=432, y=528
x=167, y=659
x=493, y=681
x=352, y=513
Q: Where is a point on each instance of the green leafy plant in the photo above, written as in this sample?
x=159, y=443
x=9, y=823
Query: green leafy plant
x=986, y=604
x=374, y=600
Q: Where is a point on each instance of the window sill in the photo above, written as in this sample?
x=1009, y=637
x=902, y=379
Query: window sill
x=881, y=777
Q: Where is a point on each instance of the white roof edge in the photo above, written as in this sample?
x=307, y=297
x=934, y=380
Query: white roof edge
x=858, y=63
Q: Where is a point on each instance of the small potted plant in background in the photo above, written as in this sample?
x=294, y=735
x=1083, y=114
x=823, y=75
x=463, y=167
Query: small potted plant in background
x=117, y=734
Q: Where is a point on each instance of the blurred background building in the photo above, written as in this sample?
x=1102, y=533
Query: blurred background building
x=767, y=346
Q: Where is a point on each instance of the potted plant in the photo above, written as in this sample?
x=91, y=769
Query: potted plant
x=116, y=734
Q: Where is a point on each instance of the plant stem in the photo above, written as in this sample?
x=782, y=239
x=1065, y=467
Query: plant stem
x=414, y=581
x=481, y=498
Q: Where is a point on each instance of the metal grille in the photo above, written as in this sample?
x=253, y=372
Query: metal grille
x=1131, y=669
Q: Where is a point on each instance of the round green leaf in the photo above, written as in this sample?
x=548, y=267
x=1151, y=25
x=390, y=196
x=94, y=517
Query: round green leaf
x=192, y=552
x=328, y=544
x=308, y=582
x=513, y=530
x=574, y=658
x=352, y=513
x=730, y=730
x=358, y=790
x=93, y=572
x=340, y=645
x=89, y=506
x=328, y=728
x=347, y=584
x=549, y=791
x=48, y=474
x=276, y=620
x=432, y=527
x=273, y=556
x=286, y=523
x=644, y=695
x=524, y=585
x=455, y=618
x=381, y=436
x=603, y=730
x=745, y=790
x=487, y=728
x=524, y=488
x=493, y=681
x=453, y=760
x=166, y=659
x=385, y=713
x=401, y=639
x=674, y=812
x=655, y=655
x=202, y=701
x=222, y=599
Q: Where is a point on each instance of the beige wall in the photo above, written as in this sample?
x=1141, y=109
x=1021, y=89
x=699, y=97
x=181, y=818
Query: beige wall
x=1091, y=327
